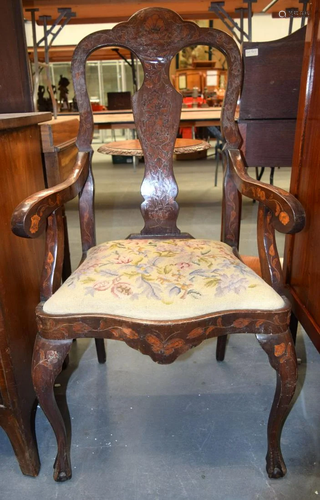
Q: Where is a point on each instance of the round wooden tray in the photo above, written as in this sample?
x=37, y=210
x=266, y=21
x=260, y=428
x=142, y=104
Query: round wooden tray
x=133, y=147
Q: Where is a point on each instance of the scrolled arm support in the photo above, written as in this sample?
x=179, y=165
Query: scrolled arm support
x=288, y=215
x=29, y=218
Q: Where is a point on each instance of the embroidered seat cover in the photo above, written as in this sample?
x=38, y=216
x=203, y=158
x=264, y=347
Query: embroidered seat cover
x=162, y=280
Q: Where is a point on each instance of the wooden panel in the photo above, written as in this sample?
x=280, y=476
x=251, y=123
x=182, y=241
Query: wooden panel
x=302, y=266
x=21, y=260
x=14, y=120
x=272, y=78
x=67, y=158
x=58, y=131
x=268, y=143
x=58, y=145
x=21, y=174
x=5, y=366
x=16, y=87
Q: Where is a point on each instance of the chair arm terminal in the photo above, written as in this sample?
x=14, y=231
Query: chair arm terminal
x=30, y=216
x=288, y=215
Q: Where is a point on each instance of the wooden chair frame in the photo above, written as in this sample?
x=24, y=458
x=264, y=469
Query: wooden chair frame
x=155, y=36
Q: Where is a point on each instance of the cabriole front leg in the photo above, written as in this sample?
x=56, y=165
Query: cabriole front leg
x=48, y=357
x=282, y=358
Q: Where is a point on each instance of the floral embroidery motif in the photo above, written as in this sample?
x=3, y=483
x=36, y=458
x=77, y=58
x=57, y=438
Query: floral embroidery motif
x=162, y=279
x=162, y=270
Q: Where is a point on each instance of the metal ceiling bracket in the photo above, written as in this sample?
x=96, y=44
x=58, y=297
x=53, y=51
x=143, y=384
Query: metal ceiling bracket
x=65, y=14
x=291, y=15
x=304, y=11
x=250, y=2
x=238, y=31
x=241, y=11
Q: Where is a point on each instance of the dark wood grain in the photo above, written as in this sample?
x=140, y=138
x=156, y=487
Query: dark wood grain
x=301, y=252
x=288, y=215
x=272, y=78
x=271, y=270
x=163, y=341
x=16, y=85
x=269, y=100
x=155, y=36
x=257, y=137
x=231, y=209
x=29, y=218
x=282, y=357
x=18, y=120
x=58, y=139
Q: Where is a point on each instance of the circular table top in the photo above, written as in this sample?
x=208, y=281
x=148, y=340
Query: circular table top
x=133, y=147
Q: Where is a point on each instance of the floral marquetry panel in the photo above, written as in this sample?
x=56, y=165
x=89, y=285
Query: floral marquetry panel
x=156, y=36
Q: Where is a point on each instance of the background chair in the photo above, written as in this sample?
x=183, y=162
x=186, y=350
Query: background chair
x=161, y=291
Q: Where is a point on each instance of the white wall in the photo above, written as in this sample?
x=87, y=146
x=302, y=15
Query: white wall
x=264, y=28
x=70, y=35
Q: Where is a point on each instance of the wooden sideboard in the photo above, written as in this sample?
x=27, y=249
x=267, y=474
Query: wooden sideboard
x=58, y=139
x=302, y=263
x=269, y=99
x=188, y=78
x=21, y=174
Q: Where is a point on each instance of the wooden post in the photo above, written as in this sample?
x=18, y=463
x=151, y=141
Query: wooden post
x=16, y=86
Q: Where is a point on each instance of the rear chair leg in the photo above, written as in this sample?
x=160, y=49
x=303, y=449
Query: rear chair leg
x=221, y=347
x=101, y=350
x=48, y=357
x=282, y=358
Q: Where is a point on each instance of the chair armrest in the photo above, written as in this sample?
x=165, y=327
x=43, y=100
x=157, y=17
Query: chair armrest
x=288, y=215
x=29, y=218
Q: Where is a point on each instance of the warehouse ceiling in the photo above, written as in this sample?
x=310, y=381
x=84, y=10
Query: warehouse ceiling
x=110, y=11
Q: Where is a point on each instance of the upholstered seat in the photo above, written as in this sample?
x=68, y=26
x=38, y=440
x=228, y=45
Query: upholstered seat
x=162, y=280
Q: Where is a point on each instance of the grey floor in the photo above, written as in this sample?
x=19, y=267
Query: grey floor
x=195, y=429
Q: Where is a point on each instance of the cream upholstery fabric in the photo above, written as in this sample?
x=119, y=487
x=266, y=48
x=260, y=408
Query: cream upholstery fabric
x=162, y=280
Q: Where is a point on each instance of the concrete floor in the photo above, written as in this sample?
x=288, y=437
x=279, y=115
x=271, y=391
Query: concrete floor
x=195, y=429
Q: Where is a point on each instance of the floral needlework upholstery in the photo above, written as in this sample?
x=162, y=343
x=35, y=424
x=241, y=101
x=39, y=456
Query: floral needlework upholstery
x=162, y=280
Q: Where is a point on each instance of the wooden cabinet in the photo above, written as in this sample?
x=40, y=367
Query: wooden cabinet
x=210, y=78
x=302, y=263
x=58, y=138
x=269, y=99
x=21, y=174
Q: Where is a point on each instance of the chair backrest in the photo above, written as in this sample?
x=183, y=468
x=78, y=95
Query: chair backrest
x=155, y=35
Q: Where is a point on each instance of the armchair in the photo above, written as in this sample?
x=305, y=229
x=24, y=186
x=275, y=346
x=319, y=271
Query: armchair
x=162, y=292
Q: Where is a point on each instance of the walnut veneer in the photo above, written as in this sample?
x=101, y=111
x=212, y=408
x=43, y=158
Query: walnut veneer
x=21, y=174
x=302, y=266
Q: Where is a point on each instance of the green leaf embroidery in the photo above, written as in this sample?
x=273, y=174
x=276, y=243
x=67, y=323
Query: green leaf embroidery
x=211, y=283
